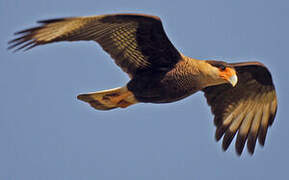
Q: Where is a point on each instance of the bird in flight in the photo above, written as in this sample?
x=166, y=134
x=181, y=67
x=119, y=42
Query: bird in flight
x=241, y=95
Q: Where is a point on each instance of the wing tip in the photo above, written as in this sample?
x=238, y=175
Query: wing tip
x=251, y=144
x=240, y=144
x=21, y=44
x=220, y=132
x=25, y=39
x=227, y=140
x=262, y=135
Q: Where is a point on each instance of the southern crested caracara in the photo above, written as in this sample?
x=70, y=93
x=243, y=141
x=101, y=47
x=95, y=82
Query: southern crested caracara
x=242, y=95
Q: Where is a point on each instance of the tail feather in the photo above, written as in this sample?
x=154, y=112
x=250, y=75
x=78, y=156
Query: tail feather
x=109, y=99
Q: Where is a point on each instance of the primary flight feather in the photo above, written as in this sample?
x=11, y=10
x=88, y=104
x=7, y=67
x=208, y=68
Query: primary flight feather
x=241, y=95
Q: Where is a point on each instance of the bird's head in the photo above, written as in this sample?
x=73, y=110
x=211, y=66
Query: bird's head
x=222, y=72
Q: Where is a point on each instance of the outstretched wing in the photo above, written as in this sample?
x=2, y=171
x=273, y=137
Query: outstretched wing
x=248, y=108
x=136, y=42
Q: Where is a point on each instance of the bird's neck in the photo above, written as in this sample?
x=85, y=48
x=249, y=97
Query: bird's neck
x=206, y=75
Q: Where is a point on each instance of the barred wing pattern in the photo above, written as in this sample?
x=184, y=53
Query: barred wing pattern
x=136, y=42
x=248, y=108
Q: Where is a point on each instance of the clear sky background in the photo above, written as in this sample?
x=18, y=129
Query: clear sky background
x=47, y=134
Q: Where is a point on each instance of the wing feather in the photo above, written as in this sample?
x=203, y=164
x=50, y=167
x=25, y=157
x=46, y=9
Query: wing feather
x=136, y=42
x=243, y=132
x=251, y=143
x=247, y=109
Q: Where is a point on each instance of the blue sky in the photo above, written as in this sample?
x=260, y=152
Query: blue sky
x=46, y=133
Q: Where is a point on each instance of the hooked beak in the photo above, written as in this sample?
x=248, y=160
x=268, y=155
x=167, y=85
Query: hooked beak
x=229, y=74
x=233, y=80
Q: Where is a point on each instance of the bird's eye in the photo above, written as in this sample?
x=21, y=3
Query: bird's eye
x=222, y=67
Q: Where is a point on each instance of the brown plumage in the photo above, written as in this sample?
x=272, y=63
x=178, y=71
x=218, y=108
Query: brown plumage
x=248, y=108
x=241, y=95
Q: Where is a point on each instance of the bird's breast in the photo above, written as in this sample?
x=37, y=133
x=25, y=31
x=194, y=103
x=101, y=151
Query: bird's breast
x=164, y=87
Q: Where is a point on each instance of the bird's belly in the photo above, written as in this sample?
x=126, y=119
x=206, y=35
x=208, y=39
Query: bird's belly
x=160, y=91
x=162, y=95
